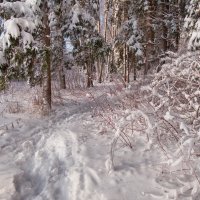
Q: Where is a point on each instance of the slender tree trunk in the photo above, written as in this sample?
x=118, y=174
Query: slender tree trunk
x=175, y=7
x=30, y=71
x=105, y=24
x=164, y=11
x=125, y=63
x=61, y=72
x=133, y=64
x=89, y=75
x=89, y=72
x=178, y=33
x=99, y=60
x=46, y=63
x=100, y=71
x=149, y=51
x=60, y=61
x=128, y=65
x=3, y=77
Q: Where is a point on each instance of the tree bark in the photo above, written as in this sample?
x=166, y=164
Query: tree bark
x=105, y=24
x=60, y=60
x=164, y=33
x=46, y=63
x=125, y=64
x=128, y=65
x=89, y=71
x=150, y=35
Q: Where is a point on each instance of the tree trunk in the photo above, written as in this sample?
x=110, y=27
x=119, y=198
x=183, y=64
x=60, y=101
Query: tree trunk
x=105, y=23
x=100, y=70
x=164, y=39
x=89, y=75
x=125, y=64
x=46, y=63
x=149, y=51
x=128, y=65
x=60, y=61
x=89, y=72
x=133, y=63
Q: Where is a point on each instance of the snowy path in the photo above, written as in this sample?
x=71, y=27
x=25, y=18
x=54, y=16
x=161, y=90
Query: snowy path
x=63, y=158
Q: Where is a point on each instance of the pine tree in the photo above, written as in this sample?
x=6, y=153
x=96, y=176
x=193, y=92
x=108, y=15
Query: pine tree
x=19, y=45
x=83, y=31
x=123, y=32
x=17, y=38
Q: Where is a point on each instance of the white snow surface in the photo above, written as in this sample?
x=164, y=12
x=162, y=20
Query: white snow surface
x=66, y=157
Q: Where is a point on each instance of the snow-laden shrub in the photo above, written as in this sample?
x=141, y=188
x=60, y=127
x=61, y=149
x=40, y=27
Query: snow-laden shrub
x=175, y=101
x=176, y=94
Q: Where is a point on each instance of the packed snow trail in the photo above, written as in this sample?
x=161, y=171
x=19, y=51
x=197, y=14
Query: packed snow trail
x=63, y=157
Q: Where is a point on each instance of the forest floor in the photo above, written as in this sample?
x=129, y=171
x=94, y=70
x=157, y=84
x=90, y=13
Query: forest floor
x=66, y=156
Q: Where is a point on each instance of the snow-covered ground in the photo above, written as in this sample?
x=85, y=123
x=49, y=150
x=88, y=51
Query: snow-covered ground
x=66, y=156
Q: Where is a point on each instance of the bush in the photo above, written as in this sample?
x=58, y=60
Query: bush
x=174, y=99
